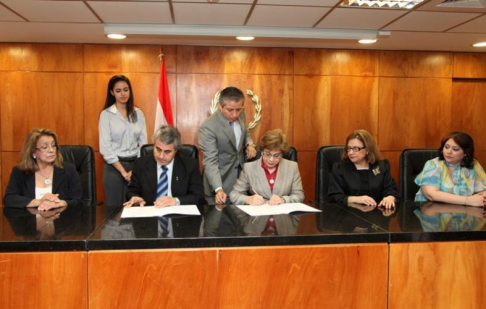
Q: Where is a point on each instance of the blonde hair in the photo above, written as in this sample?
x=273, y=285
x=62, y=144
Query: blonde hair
x=27, y=163
x=274, y=140
x=372, y=151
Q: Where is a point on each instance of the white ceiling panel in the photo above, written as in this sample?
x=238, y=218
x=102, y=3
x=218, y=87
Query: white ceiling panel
x=430, y=21
x=432, y=6
x=52, y=11
x=328, y=3
x=7, y=15
x=53, y=33
x=348, y=18
x=210, y=14
x=477, y=25
x=220, y=1
x=132, y=12
x=286, y=16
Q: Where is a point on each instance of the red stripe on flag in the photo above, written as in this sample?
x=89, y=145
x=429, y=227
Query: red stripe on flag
x=164, y=95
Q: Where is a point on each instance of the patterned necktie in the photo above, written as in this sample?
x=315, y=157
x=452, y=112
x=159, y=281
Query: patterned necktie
x=163, y=185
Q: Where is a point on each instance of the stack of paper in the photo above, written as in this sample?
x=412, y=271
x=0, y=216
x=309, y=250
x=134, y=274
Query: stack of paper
x=282, y=209
x=151, y=211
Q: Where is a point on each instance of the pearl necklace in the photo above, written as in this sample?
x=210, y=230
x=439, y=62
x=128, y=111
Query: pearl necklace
x=47, y=181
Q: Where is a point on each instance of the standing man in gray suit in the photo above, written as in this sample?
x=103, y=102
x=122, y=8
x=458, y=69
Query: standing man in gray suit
x=222, y=138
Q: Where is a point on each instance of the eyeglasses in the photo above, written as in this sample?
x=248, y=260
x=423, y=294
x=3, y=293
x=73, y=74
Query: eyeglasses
x=269, y=155
x=354, y=149
x=45, y=148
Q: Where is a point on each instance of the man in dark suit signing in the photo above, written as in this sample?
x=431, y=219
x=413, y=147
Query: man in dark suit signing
x=166, y=178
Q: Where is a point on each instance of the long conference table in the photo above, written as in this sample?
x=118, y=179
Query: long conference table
x=419, y=255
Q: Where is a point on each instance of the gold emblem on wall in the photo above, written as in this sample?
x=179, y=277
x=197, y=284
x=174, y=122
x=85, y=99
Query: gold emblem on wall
x=254, y=97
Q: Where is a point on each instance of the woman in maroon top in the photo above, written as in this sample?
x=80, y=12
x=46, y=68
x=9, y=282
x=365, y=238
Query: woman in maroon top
x=270, y=180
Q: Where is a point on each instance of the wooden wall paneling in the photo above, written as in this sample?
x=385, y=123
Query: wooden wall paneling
x=413, y=112
x=394, y=158
x=43, y=280
x=335, y=62
x=469, y=109
x=415, y=64
x=351, y=276
x=469, y=65
x=41, y=57
x=127, y=58
x=307, y=168
x=145, y=88
x=155, y=279
x=234, y=60
x=274, y=91
x=8, y=161
x=50, y=100
x=480, y=156
x=437, y=275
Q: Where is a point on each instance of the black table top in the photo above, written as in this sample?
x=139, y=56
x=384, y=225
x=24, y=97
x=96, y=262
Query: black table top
x=99, y=228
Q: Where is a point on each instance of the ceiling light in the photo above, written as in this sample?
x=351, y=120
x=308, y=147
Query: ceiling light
x=480, y=44
x=232, y=31
x=116, y=36
x=245, y=38
x=381, y=4
x=367, y=41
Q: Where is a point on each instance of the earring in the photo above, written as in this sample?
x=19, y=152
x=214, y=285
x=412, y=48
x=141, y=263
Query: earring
x=34, y=157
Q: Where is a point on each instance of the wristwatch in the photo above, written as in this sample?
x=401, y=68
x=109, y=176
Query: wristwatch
x=250, y=144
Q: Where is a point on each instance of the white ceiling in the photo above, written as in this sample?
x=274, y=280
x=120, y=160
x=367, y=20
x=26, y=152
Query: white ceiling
x=426, y=27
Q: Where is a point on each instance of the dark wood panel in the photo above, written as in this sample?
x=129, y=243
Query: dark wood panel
x=469, y=109
x=8, y=161
x=335, y=62
x=234, y=60
x=153, y=279
x=41, y=57
x=415, y=64
x=49, y=100
x=327, y=109
x=127, y=58
x=394, y=158
x=470, y=65
x=413, y=112
x=353, y=276
x=274, y=91
x=43, y=280
x=307, y=168
x=437, y=275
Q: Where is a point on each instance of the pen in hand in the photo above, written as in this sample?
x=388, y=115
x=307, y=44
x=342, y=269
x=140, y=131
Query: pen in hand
x=255, y=199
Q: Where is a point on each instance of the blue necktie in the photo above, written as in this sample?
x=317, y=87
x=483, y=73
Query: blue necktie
x=163, y=185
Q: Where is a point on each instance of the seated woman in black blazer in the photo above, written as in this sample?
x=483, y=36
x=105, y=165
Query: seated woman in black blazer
x=41, y=179
x=362, y=177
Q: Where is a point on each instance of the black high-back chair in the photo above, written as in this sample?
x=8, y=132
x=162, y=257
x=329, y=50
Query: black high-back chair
x=412, y=162
x=188, y=150
x=290, y=155
x=82, y=156
x=326, y=157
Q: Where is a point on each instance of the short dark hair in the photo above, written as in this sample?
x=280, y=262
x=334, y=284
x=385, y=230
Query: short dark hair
x=110, y=98
x=168, y=135
x=464, y=141
x=232, y=94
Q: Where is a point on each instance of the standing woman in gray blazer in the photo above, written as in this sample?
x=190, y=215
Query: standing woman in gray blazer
x=270, y=179
x=122, y=132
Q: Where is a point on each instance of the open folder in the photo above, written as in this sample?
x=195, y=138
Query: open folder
x=151, y=211
x=282, y=209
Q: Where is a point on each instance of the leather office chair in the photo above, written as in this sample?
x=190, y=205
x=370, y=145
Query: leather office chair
x=188, y=150
x=326, y=157
x=82, y=156
x=412, y=162
x=290, y=155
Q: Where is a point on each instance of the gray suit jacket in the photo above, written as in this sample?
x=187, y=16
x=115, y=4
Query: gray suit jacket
x=221, y=155
x=288, y=183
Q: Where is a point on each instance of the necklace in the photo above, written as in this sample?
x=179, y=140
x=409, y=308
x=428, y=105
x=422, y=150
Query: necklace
x=47, y=181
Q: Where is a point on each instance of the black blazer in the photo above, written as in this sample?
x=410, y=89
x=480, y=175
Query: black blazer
x=186, y=182
x=345, y=181
x=21, y=186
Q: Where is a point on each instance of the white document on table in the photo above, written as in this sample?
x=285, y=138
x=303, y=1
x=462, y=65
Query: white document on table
x=282, y=209
x=151, y=211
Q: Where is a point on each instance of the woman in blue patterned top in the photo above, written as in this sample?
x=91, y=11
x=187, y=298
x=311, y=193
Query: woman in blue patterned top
x=122, y=132
x=454, y=177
